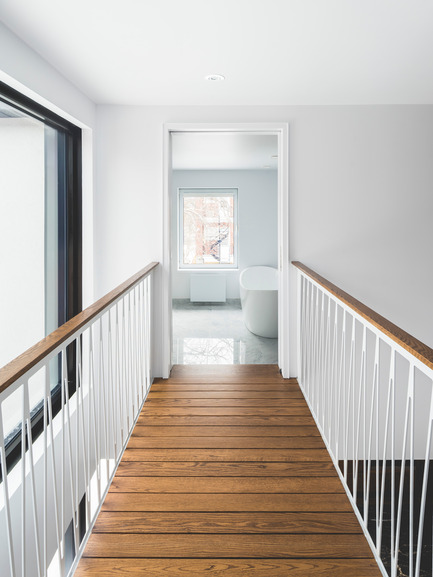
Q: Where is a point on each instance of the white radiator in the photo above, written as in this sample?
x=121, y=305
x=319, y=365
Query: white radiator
x=207, y=288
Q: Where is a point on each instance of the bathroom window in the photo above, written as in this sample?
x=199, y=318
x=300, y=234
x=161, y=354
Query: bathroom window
x=208, y=228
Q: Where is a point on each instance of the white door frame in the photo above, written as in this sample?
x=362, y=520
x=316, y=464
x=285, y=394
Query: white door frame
x=281, y=130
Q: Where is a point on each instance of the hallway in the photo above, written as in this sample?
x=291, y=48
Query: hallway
x=226, y=475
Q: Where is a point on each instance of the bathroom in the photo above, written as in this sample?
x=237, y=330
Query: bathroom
x=240, y=170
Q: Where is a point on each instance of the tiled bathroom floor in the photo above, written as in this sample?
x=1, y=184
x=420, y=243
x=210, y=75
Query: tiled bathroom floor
x=216, y=334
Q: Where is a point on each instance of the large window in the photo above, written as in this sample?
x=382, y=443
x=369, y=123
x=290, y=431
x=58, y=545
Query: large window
x=208, y=228
x=40, y=222
x=40, y=241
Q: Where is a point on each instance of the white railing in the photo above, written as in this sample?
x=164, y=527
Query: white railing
x=369, y=386
x=67, y=409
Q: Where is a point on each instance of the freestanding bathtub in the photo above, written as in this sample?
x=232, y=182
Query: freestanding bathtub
x=259, y=300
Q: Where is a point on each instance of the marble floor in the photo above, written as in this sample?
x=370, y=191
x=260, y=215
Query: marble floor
x=215, y=334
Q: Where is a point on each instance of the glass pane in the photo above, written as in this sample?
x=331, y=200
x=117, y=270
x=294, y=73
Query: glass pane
x=29, y=231
x=208, y=230
x=22, y=189
x=51, y=230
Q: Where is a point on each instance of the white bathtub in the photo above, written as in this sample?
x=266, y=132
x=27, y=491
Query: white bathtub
x=259, y=299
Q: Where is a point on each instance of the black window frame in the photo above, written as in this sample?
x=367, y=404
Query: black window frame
x=69, y=253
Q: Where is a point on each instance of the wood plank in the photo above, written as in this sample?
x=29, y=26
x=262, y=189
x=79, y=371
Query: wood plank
x=238, y=455
x=260, y=379
x=208, y=402
x=116, y=567
x=188, y=386
x=240, y=374
x=215, y=394
x=150, y=410
x=225, y=431
x=248, y=523
x=238, y=469
x=140, y=442
x=333, y=502
x=226, y=372
x=227, y=485
x=235, y=421
x=227, y=546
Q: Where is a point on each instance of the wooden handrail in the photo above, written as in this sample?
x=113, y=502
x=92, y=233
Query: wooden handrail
x=19, y=366
x=417, y=348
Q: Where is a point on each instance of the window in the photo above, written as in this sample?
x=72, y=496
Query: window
x=40, y=222
x=208, y=228
x=40, y=240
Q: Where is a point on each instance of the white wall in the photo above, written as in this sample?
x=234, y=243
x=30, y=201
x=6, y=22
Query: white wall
x=24, y=70
x=257, y=220
x=361, y=181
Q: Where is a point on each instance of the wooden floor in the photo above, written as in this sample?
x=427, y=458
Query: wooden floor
x=226, y=475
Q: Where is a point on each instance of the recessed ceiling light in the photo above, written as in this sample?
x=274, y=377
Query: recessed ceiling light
x=215, y=77
x=274, y=156
x=266, y=166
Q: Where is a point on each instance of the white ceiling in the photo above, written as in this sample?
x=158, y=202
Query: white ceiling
x=271, y=51
x=228, y=150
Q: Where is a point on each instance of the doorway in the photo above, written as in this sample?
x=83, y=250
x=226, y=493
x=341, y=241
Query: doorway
x=277, y=163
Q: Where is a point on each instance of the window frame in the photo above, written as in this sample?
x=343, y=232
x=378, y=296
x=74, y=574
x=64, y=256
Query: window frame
x=207, y=191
